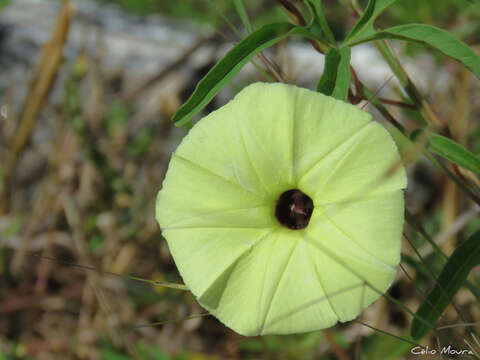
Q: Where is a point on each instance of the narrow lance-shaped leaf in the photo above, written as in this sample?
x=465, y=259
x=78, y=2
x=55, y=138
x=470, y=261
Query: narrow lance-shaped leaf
x=321, y=20
x=451, y=151
x=453, y=275
x=436, y=38
x=411, y=150
x=364, y=25
x=343, y=75
x=335, y=80
x=420, y=267
x=329, y=76
x=454, y=152
x=231, y=64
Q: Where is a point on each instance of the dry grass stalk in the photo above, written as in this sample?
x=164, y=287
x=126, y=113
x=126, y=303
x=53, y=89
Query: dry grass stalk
x=51, y=58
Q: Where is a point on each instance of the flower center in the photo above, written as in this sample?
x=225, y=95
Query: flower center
x=294, y=209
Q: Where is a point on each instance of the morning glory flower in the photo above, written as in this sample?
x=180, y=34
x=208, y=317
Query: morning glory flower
x=282, y=211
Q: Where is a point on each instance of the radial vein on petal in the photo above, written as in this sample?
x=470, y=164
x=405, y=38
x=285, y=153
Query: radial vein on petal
x=349, y=238
x=236, y=260
x=341, y=142
x=284, y=270
x=320, y=280
x=200, y=216
x=227, y=180
x=338, y=260
x=294, y=134
x=252, y=165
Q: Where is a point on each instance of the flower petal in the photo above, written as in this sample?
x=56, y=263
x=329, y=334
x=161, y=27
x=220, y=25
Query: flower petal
x=217, y=210
x=322, y=124
x=358, y=168
x=206, y=259
x=265, y=116
x=299, y=303
x=272, y=289
x=215, y=145
x=190, y=192
x=346, y=270
x=374, y=224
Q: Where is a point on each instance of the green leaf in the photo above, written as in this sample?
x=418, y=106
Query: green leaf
x=329, y=76
x=343, y=75
x=242, y=12
x=335, y=80
x=436, y=38
x=321, y=20
x=420, y=268
x=407, y=149
x=454, y=152
x=453, y=275
x=231, y=64
x=364, y=26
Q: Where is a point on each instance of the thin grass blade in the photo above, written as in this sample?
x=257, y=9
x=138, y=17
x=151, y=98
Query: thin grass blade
x=464, y=258
x=242, y=13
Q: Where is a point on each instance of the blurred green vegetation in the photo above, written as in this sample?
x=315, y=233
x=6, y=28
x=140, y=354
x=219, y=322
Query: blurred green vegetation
x=462, y=16
x=203, y=11
x=4, y=3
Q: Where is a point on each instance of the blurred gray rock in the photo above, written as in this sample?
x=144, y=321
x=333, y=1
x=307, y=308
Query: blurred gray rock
x=139, y=46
